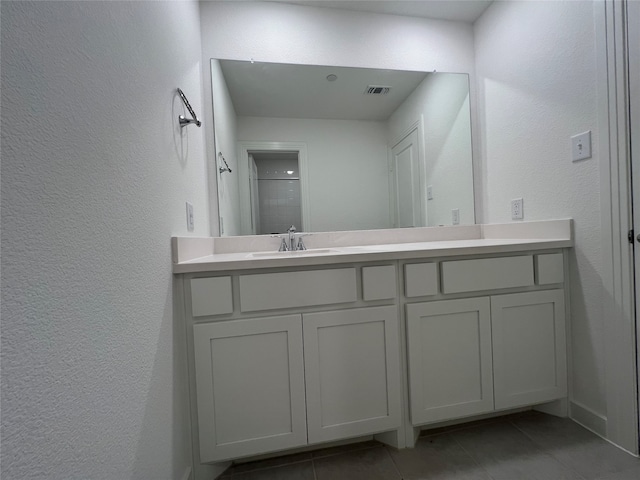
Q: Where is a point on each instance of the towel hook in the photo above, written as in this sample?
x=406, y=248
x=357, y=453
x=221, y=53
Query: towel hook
x=181, y=118
x=222, y=170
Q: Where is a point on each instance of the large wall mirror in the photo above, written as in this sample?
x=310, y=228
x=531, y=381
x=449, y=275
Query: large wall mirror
x=334, y=148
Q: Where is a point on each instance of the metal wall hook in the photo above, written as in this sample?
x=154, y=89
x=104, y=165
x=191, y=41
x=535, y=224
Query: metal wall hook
x=222, y=170
x=181, y=118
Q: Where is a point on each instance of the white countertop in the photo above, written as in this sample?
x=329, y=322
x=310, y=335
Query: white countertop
x=191, y=254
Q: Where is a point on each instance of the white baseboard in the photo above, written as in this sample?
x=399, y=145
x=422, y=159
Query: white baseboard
x=588, y=419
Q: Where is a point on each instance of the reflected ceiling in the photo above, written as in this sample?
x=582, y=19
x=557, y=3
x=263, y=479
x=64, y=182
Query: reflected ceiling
x=303, y=91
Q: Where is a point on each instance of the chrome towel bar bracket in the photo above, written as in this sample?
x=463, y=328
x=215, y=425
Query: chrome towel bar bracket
x=226, y=168
x=181, y=118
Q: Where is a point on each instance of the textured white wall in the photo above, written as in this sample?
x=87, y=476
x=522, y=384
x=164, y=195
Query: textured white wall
x=347, y=168
x=442, y=100
x=536, y=73
x=225, y=142
x=95, y=173
x=282, y=33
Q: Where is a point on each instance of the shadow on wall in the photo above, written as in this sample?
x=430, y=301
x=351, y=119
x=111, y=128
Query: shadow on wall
x=585, y=348
x=169, y=367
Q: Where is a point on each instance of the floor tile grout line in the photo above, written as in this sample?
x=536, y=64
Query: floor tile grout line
x=473, y=459
x=548, y=452
x=393, y=462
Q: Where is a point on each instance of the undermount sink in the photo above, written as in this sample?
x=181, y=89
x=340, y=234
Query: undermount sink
x=294, y=253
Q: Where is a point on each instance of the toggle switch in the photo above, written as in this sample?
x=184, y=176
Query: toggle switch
x=581, y=146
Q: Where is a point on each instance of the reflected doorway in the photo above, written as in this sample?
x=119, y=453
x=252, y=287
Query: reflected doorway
x=273, y=156
x=275, y=193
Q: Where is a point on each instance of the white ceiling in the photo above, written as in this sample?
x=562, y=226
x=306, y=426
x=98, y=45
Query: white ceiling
x=456, y=10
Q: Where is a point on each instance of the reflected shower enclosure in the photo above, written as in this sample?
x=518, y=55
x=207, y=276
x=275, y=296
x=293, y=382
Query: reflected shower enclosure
x=274, y=191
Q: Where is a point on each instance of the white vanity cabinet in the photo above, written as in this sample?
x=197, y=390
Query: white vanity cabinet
x=468, y=356
x=352, y=372
x=326, y=368
x=529, y=348
x=325, y=349
x=473, y=356
x=449, y=359
x=250, y=386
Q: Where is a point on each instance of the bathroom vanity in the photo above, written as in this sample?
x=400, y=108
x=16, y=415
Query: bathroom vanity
x=368, y=333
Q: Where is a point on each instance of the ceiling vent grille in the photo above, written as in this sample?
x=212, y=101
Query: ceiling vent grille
x=376, y=90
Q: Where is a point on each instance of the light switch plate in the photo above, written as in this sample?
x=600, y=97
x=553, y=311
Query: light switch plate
x=429, y=192
x=581, y=146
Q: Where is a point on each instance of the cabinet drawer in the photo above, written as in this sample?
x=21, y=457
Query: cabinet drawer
x=420, y=279
x=550, y=268
x=269, y=291
x=379, y=283
x=211, y=296
x=487, y=274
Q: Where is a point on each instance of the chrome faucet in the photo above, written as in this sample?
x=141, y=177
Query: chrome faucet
x=292, y=238
x=290, y=241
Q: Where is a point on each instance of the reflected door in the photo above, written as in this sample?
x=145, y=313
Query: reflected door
x=254, y=195
x=406, y=179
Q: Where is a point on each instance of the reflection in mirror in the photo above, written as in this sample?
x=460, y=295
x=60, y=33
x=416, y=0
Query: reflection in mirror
x=334, y=148
x=274, y=190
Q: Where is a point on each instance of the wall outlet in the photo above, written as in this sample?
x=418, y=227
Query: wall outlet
x=429, y=192
x=516, y=209
x=190, y=221
x=455, y=216
x=581, y=146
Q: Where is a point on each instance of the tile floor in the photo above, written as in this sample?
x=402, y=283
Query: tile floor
x=530, y=446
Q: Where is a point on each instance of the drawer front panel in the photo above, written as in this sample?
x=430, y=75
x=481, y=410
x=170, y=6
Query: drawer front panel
x=487, y=274
x=420, y=279
x=211, y=296
x=269, y=291
x=550, y=268
x=379, y=283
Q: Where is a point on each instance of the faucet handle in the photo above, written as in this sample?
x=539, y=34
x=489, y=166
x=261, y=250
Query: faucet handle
x=283, y=243
x=301, y=245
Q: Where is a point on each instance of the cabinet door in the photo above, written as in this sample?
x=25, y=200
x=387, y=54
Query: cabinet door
x=352, y=372
x=449, y=350
x=529, y=348
x=250, y=386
